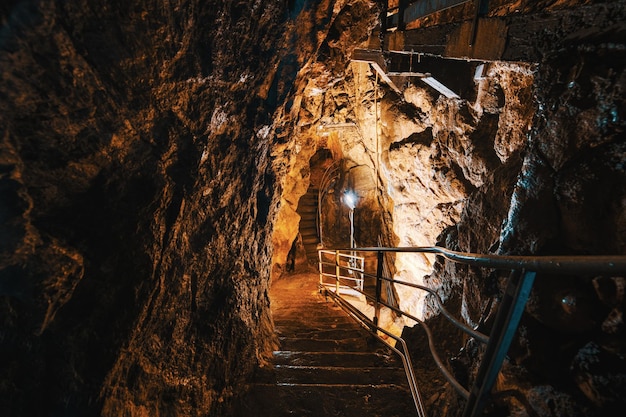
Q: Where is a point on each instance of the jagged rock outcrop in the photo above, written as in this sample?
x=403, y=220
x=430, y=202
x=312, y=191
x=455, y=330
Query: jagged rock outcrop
x=566, y=197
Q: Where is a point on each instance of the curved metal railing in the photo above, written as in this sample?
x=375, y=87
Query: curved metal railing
x=404, y=355
x=523, y=271
x=328, y=181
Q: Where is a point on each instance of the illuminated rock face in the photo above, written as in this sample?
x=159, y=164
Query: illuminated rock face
x=432, y=153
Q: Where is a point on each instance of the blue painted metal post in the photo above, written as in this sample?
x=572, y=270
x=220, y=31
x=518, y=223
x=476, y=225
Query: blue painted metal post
x=509, y=314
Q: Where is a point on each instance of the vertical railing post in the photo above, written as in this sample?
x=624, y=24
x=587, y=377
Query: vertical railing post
x=337, y=272
x=379, y=284
x=507, y=319
x=320, y=266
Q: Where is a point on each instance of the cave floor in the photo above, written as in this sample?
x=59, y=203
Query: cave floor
x=326, y=365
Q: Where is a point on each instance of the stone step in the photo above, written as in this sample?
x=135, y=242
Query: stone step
x=312, y=255
x=325, y=308
x=312, y=317
x=346, y=359
x=337, y=375
x=353, y=344
x=318, y=400
x=315, y=322
x=294, y=325
x=323, y=334
x=308, y=199
x=309, y=228
x=305, y=208
x=310, y=240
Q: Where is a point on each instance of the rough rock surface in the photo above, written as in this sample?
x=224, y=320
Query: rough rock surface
x=137, y=196
x=568, y=198
x=532, y=164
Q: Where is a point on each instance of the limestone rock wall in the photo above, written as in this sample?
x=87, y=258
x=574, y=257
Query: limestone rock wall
x=137, y=197
x=425, y=155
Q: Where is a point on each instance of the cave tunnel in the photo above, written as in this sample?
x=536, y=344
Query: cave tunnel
x=170, y=173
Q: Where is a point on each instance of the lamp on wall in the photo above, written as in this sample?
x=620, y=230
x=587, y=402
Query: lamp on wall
x=350, y=199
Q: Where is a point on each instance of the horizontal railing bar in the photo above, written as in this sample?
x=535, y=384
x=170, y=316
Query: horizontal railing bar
x=357, y=289
x=342, y=267
x=333, y=264
x=481, y=337
x=326, y=274
x=345, y=255
x=554, y=264
x=433, y=351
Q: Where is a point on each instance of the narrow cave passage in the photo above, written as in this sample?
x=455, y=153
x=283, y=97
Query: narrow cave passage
x=158, y=162
x=309, y=238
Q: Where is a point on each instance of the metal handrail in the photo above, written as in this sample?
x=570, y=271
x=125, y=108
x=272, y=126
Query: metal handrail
x=404, y=354
x=468, y=330
x=354, y=265
x=552, y=264
x=519, y=285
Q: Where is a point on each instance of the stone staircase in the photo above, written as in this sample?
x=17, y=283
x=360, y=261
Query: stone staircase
x=327, y=364
x=307, y=209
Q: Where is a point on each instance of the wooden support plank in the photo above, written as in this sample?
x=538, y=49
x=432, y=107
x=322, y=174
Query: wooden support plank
x=376, y=60
x=522, y=37
x=419, y=9
x=487, y=43
x=408, y=74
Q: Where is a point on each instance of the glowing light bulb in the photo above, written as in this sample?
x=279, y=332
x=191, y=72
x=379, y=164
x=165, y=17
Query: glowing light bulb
x=350, y=199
